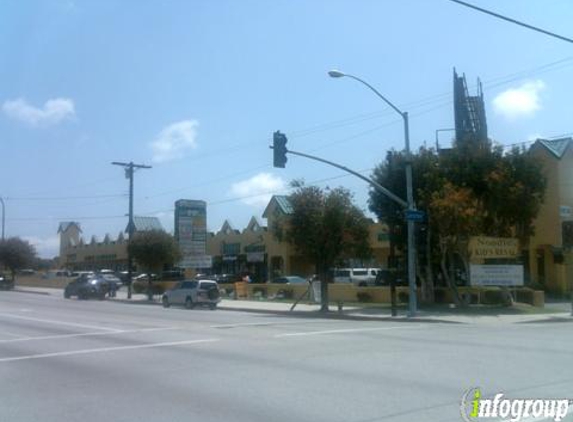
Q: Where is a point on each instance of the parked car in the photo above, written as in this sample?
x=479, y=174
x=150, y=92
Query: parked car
x=77, y=274
x=289, y=279
x=85, y=287
x=191, y=293
x=226, y=278
x=173, y=275
x=113, y=281
x=144, y=277
x=27, y=271
x=6, y=283
x=357, y=276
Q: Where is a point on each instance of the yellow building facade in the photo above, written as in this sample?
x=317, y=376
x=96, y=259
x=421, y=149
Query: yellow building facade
x=549, y=253
x=256, y=250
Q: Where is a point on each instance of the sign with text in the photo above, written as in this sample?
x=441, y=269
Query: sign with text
x=191, y=232
x=496, y=275
x=482, y=247
x=197, y=261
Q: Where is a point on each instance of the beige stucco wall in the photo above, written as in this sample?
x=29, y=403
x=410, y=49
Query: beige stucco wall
x=98, y=254
x=293, y=262
x=547, y=240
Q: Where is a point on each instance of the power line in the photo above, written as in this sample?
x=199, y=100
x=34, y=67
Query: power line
x=497, y=15
x=437, y=99
x=108, y=217
x=274, y=192
x=62, y=198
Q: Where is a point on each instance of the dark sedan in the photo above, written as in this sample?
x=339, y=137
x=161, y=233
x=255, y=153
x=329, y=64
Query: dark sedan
x=6, y=283
x=87, y=287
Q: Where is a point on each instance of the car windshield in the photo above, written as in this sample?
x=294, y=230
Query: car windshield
x=286, y=211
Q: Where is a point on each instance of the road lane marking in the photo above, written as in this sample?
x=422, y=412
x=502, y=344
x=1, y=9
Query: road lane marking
x=107, y=349
x=345, y=331
x=98, y=333
x=10, y=334
x=255, y=324
x=48, y=321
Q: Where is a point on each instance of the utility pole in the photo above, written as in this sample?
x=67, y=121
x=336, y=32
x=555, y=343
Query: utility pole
x=129, y=170
x=3, y=216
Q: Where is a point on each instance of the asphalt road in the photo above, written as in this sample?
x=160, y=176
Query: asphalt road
x=69, y=361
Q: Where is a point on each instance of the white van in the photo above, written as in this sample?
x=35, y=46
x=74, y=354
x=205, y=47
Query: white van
x=357, y=276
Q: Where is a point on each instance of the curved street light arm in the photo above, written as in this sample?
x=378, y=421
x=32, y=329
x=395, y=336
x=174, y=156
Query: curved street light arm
x=396, y=109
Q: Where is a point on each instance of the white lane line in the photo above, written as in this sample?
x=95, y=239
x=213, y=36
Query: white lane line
x=49, y=321
x=255, y=324
x=345, y=331
x=98, y=333
x=106, y=349
x=9, y=334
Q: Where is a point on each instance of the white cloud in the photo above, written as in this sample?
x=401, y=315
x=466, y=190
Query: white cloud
x=166, y=219
x=45, y=247
x=519, y=102
x=174, y=141
x=259, y=189
x=53, y=111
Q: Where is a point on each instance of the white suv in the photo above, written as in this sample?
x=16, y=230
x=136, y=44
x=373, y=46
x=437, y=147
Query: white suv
x=358, y=276
x=193, y=292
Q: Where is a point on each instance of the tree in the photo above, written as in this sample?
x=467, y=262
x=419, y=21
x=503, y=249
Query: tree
x=456, y=215
x=154, y=249
x=16, y=253
x=468, y=190
x=325, y=227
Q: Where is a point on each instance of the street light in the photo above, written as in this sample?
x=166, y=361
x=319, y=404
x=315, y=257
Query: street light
x=409, y=192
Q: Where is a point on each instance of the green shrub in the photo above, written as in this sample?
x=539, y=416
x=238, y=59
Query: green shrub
x=440, y=296
x=260, y=291
x=138, y=287
x=525, y=296
x=496, y=297
x=141, y=287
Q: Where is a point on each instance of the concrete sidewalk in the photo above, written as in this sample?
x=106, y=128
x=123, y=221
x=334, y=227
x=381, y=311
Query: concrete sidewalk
x=364, y=313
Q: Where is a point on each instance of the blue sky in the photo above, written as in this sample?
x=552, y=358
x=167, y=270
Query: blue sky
x=196, y=88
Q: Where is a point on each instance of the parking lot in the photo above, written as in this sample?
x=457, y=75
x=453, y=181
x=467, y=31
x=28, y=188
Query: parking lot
x=70, y=360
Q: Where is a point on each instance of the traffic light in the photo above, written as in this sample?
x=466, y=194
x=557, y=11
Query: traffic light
x=279, y=149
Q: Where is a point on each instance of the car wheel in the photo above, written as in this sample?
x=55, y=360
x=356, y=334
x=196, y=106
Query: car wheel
x=362, y=284
x=213, y=294
x=66, y=294
x=165, y=302
x=212, y=306
x=189, y=303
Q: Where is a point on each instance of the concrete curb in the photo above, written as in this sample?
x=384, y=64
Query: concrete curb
x=35, y=292
x=337, y=316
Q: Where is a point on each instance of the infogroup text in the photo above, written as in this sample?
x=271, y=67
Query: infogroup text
x=475, y=408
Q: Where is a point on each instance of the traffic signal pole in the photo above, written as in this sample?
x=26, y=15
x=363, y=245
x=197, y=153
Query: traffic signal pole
x=279, y=157
x=374, y=184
